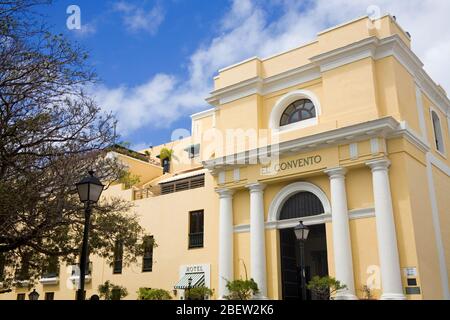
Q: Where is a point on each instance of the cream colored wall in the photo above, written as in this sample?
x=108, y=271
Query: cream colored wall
x=442, y=187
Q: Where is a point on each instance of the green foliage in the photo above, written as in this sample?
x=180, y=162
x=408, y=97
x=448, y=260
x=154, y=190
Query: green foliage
x=241, y=289
x=128, y=179
x=165, y=154
x=110, y=291
x=324, y=287
x=198, y=293
x=368, y=295
x=153, y=294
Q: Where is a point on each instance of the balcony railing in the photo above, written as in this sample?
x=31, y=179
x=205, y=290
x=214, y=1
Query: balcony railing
x=146, y=193
x=196, y=240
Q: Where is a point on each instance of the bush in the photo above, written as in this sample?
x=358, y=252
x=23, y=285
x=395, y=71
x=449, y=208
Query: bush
x=165, y=154
x=198, y=293
x=325, y=287
x=110, y=291
x=241, y=289
x=153, y=294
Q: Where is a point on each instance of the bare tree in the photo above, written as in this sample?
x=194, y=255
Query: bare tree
x=51, y=133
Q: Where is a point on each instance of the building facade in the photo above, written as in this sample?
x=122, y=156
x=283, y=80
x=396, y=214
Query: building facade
x=347, y=134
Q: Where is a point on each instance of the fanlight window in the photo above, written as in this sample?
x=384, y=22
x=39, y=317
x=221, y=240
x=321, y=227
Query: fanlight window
x=297, y=111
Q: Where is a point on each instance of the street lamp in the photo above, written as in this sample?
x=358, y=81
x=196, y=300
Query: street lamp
x=189, y=288
x=33, y=295
x=89, y=190
x=301, y=233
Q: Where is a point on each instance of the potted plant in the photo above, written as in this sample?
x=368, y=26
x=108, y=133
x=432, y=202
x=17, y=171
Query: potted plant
x=325, y=287
x=153, y=294
x=165, y=155
x=242, y=289
x=110, y=291
x=198, y=293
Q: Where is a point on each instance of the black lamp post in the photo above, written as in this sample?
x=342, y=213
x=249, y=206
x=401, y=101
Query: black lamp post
x=34, y=295
x=301, y=233
x=189, y=288
x=89, y=189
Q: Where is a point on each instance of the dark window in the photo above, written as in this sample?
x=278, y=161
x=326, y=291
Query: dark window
x=118, y=256
x=21, y=296
x=437, y=132
x=49, y=296
x=24, y=271
x=196, y=229
x=52, y=268
x=298, y=111
x=302, y=204
x=193, y=150
x=147, y=259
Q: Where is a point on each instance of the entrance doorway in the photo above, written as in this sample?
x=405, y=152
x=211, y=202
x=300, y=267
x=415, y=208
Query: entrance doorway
x=300, y=205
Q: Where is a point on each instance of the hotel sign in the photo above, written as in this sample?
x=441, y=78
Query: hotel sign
x=292, y=164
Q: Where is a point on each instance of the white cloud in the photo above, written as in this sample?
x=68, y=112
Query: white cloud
x=246, y=31
x=138, y=19
x=86, y=30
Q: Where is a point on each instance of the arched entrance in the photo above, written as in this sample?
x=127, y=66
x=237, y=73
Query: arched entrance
x=294, y=203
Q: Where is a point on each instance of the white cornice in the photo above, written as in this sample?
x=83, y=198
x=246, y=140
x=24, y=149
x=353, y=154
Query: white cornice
x=311, y=220
x=370, y=47
x=362, y=131
x=203, y=114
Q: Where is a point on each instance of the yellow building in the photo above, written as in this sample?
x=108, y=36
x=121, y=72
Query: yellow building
x=347, y=133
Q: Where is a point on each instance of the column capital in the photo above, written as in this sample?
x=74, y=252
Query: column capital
x=379, y=164
x=337, y=172
x=256, y=187
x=225, y=193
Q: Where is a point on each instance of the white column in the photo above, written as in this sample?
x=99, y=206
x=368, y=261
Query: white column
x=341, y=234
x=225, y=240
x=387, y=240
x=257, y=238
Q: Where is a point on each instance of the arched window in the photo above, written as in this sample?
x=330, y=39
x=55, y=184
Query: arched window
x=437, y=132
x=302, y=204
x=297, y=111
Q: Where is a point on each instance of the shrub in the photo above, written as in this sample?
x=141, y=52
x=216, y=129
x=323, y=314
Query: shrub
x=325, y=287
x=153, y=294
x=110, y=291
x=165, y=154
x=241, y=289
x=198, y=293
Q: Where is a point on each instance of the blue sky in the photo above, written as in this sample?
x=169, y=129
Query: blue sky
x=156, y=58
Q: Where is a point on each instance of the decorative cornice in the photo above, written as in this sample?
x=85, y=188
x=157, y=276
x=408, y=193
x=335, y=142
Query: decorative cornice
x=379, y=127
x=370, y=47
x=323, y=218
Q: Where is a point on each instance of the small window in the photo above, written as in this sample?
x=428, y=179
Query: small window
x=49, y=296
x=297, y=111
x=196, y=229
x=437, y=132
x=23, y=273
x=118, y=256
x=52, y=268
x=193, y=150
x=147, y=259
x=21, y=296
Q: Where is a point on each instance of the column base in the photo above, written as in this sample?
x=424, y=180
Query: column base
x=392, y=296
x=345, y=296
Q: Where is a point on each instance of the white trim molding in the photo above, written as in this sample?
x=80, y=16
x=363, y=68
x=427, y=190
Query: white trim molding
x=285, y=101
x=309, y=221
x=284, y=194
